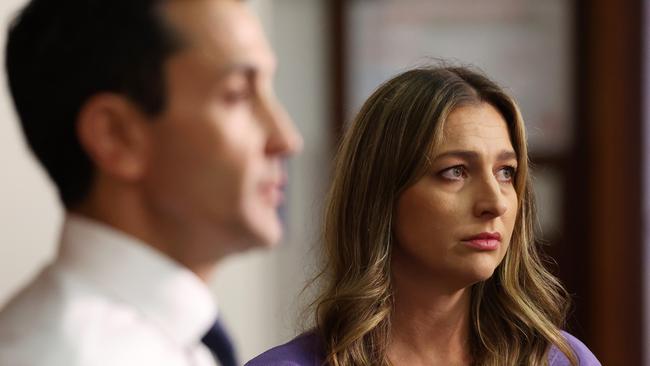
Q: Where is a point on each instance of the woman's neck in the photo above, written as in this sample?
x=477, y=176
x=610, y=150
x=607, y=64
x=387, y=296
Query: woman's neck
x=430, y=323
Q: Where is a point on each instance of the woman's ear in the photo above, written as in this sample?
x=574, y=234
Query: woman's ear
x=115, y=135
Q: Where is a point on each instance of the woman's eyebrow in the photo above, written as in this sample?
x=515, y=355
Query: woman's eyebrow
x=507, y=155
x=470, y=155
x=463, y=154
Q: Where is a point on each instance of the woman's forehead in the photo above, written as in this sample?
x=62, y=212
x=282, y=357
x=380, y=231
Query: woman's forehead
x=477, y=128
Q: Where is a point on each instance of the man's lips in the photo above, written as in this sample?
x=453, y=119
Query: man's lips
x=273, y=192
x=484, y=241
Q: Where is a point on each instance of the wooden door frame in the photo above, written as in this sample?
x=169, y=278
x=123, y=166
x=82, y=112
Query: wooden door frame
x=608, y=189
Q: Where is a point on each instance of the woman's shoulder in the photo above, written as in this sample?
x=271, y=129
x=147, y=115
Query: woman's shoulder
x=584, y=355
x=304, y=350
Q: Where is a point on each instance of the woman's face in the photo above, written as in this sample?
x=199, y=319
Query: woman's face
x=455, y=223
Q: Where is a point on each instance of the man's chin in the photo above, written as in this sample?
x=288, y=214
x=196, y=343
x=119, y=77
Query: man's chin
x=271, y=240
x=266, y=235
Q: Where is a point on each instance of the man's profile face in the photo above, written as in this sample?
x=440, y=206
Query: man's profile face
x=216, y=165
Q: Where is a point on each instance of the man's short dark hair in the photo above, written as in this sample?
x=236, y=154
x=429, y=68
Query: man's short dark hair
x=60, y=53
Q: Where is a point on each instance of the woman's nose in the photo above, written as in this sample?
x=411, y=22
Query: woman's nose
x=490, y=201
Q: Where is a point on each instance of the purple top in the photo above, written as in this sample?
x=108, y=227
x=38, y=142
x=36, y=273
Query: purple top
x=305, y=350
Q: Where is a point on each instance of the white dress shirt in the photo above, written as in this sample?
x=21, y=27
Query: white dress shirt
x=108, y=299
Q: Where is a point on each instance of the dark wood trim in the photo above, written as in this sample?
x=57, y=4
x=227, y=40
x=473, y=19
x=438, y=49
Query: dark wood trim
x=608, y=191
x=338, y=56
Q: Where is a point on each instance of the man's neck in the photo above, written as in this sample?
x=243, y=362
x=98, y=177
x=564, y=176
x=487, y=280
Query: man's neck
x=125, y=211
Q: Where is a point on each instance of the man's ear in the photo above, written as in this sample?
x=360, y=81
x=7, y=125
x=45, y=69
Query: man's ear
x=115, y=135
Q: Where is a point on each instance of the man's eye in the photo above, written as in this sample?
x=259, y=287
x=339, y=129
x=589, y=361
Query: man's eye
x=457, y=172
x=237, y=96
x=506, y=174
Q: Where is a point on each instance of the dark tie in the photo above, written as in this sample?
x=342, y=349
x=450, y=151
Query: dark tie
x=219, y=344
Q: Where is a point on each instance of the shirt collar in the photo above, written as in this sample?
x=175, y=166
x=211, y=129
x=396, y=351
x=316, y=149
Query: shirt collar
x=165, y=292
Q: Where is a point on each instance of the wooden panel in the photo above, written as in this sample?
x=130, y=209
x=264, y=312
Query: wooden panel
x=338, y=56
x=609, y=96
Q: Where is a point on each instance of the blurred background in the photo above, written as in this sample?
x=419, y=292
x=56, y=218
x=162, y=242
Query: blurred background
x=578, y=69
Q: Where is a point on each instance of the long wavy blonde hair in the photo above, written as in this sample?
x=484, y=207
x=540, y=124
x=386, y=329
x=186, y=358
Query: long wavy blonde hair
x=516, y=315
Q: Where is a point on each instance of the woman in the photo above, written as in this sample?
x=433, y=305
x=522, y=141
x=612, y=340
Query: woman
x=430, y=257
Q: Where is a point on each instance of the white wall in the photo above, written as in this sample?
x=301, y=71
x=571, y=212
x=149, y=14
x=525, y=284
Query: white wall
x=29, y=212
x=257, y=291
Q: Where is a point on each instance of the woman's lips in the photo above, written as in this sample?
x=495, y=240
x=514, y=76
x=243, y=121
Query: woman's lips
x=483, y=241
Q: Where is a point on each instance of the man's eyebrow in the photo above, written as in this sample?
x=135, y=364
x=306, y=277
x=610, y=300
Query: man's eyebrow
x=473, y=155
x=246, y=69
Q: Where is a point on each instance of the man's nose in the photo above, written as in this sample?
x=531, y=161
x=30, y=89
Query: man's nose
x=283, y=137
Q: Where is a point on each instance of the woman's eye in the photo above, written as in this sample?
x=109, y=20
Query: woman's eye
x=457, y=172
x=506, y=174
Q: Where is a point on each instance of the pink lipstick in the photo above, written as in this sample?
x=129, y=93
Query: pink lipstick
x=483, y=241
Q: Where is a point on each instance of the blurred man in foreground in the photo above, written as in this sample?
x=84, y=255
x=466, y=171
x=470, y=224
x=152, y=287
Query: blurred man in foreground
x=157, y=122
